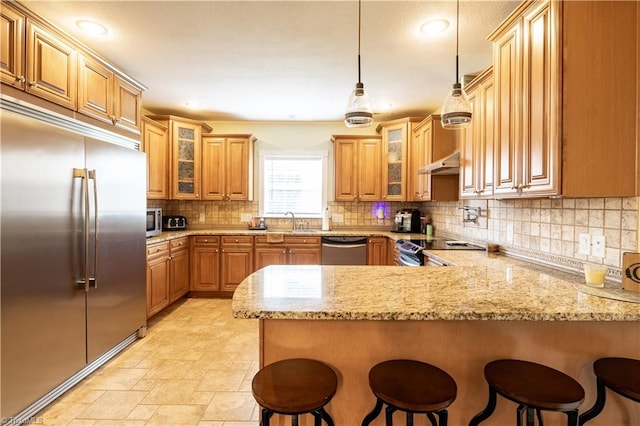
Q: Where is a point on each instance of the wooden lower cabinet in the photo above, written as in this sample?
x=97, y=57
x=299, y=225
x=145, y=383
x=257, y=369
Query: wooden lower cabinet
x=236, y=259
x=293, y=250
x=205, y=263
x=157, y=277
x=167, y=273
x=179, y=267
x=377, y=251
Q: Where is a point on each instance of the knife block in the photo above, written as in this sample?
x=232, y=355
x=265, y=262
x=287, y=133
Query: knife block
x=631, y=271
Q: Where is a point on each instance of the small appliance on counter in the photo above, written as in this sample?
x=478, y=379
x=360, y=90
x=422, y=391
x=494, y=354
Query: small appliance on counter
x=154, y=221
x=174, y=223
x=407, y=221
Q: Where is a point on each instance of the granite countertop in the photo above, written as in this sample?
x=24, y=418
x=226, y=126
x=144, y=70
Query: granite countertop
x=171, y=235
x=481, y=286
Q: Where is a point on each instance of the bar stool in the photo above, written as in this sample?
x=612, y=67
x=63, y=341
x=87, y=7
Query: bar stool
x=413, y=387
x=293, y=387
x=621, y=375
x=534, y=387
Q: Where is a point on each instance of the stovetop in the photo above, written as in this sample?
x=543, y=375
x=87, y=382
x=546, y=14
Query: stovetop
x=436, y=244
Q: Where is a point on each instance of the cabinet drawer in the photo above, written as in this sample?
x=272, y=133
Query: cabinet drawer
x=207, y=239
x=237, y=240
x=302, y=240
x=179, y=244
x=159, y=249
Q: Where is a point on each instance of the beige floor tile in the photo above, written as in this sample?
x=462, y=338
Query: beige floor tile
x=194, y=367
x=143, y=412
x=177, y=415
x=113, y=405
x=171, y=392
x=230, y=406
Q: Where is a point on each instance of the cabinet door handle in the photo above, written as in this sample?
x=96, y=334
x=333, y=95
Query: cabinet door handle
x=20, y=79
x=32, y=84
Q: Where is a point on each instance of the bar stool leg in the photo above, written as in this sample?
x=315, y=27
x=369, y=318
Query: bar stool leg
x=539, y=414
x=373, y=414
x=266, y=415
x=432, y=419
x=443, y=416
x=530, y=421
x=597, y=407
x=409, y=418
x=487, y=411
x=389, y=415
x=519, y=411
x=294, y=420
x=327, y=418
x=572, y=418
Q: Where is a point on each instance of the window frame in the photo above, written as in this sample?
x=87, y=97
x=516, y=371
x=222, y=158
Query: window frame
x=263, y=155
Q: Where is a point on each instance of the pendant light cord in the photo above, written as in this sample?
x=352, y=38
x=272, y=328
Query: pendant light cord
x=457, y=38
x=359, y=23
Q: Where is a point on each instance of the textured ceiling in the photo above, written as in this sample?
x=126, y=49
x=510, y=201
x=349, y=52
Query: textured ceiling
x=284, y=60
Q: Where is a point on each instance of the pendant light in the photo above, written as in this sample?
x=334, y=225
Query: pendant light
x=456, y=111
x=359, y=112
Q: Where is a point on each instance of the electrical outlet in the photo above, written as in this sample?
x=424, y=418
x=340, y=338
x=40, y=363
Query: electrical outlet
x=584, y=244
x=337, y=218
x=201, y=219
x=245, y=217
x=597, y=245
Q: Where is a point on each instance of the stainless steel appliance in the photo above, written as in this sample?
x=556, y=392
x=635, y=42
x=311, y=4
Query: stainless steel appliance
x=344, y=250
x=154, y=222
x=410, y=251
x=173, y=223
x=406, y=221
x=72, y=253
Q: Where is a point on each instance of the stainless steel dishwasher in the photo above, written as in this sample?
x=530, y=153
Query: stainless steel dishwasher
x=344, y=250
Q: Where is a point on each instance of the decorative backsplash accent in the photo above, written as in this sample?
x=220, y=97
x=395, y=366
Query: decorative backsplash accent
x=544, y=229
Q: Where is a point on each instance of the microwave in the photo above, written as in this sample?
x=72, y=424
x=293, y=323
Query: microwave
x=154, y=222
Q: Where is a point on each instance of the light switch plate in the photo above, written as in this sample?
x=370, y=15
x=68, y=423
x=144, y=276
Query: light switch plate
x=245, y=217
x=509, y=232
x=584, y=244
x=597, y=245
x=337, y=218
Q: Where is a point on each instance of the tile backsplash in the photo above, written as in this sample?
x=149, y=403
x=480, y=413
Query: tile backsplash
x=548, y=229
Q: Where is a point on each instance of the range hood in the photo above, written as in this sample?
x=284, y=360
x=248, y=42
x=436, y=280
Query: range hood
x=449, y=165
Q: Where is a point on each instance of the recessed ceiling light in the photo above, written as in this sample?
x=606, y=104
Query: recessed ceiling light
x=91, y=27
x=434, y=26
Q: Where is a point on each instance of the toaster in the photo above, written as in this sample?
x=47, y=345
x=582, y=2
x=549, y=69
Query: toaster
x=172, y=223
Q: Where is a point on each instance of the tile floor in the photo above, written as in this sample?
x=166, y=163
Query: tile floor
x=194, y=367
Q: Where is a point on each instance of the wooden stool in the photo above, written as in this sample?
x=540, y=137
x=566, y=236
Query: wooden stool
x=412, y=387
x=533, y=387
x=293, y=387
x=621, y=375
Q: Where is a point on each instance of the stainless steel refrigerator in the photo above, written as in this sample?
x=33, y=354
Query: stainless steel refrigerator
x=72, y=252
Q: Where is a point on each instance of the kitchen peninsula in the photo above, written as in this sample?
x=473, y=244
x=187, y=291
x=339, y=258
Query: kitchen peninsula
x=458, y=318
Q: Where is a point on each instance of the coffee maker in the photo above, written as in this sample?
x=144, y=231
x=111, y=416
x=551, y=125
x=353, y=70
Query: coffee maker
x=407, y=220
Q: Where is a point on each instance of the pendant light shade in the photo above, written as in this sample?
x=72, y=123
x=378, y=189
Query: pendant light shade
x=359, y=112
x=456, y=111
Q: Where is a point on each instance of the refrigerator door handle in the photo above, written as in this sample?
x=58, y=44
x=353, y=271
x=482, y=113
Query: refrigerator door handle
x=82, y=174
x=93, y=281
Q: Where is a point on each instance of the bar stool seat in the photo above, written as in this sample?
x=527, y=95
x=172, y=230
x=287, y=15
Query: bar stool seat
x=293, y=387
x=621, y=375
x=533, y=387
x=413, y=387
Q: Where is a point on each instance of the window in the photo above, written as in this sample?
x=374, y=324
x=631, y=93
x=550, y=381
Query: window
x=295, y=182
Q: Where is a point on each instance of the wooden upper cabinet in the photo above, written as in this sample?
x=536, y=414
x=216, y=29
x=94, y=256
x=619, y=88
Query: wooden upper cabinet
x=396, y=159
x=358, y=162
x=127, y=104
x=51, y=66
x=432, y=142
x=560, y=106
x=185, y=142
x=155, y=143
x=12, y=41
x=95, y=90
x=476, y=143
x=227, y=167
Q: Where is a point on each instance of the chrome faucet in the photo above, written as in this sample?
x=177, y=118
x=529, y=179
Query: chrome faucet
x=293, y=220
